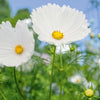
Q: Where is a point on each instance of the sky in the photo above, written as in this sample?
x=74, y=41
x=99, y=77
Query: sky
x=32, y=4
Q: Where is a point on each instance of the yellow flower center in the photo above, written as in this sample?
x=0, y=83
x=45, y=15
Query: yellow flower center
x=89, y=93
x=18, y=49
x=78, y=80
x=57, y=35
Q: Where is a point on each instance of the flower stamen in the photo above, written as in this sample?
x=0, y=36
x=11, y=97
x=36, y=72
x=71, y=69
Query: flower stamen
x=18, y=49
x=57, y=35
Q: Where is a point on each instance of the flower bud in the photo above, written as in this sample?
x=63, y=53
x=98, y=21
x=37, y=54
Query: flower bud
x=72, y=48
x=89, y=92
x=92, y=35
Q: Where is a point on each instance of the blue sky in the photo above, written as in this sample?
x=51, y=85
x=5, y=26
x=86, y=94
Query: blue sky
x=30, y=4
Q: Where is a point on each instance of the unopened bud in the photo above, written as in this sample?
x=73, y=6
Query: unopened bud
x=72, y=48
x=89, y=92
x=92, y=35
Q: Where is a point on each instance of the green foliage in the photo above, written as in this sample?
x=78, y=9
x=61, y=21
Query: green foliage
x=20, y=15
x=5, y=10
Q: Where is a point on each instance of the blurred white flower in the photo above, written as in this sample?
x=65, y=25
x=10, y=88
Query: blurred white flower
x=59, y=25
x=56, y=89
x=64, y=48
x=76, y=79
x=90, y=47
x=97, y=61
x=79, y=79
x=16, y=44
x=88, y=85
x=47, y=58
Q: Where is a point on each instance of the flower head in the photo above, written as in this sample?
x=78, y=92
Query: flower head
x=16, y=44
x=89, y=92
x=76, y=79
x=59, y=25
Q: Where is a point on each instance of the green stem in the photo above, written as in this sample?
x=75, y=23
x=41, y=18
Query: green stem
x=21, y=74
x=51, y=77
x=99, y=79
x=60, y=98
x=61, y=72
x=17, y=84
x=3, y=96
x=33, y=84
x=89, y=98
x=61, y=58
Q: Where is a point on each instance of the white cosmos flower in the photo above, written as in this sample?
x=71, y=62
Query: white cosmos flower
x=16, y=44
x=89, y=84
x=58, y=25
x=76, y=79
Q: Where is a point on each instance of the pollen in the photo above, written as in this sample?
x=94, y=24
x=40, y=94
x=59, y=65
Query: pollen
x=57, y=35
x=18, y=49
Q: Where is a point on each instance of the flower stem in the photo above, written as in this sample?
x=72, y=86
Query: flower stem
x=3, y=96
x=60, y=98
x=51, y=77
x=33, y=83
x=89, y=98
x=21, y=74
x=61, y=73
x=17, y=84
x=99, y=79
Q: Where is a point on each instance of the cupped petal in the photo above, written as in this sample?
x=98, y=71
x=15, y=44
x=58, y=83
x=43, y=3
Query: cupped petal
x=49, y=18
